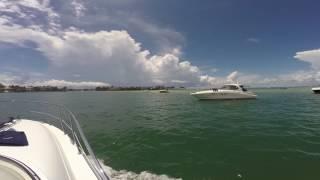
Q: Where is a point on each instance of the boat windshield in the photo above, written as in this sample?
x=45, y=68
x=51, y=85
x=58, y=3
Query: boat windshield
x=229, y=87
x=243, y=89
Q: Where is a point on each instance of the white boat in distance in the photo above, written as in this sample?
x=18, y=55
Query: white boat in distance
x=46, y=144
x=228, y=91
x=316, y=90
x=164, y=91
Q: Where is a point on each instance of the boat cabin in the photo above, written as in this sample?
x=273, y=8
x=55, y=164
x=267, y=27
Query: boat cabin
x=233, y=87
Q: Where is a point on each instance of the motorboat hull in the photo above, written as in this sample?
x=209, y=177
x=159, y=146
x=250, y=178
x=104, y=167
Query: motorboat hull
x=48, y=145
x=164, y=91
x=223, y=95
x=50, y=153
x=316, y=90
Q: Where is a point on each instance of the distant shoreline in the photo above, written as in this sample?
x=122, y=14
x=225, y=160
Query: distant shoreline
x=17, y=88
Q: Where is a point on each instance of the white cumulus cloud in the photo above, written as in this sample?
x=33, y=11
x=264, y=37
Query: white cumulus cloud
x=36, y=14
x=253, y=40
x=105, y=56
x=112, y=56
x=310, y=56
x=78, y=8
x=233, y=76
x=8, y=79
x=116, y=56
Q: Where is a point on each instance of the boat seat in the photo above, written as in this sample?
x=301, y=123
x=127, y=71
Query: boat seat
x=4, y=122
x=13, y=138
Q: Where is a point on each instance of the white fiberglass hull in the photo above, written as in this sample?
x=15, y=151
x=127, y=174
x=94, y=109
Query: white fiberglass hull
x=216, y=95
x=50, y=153
x=316, y=90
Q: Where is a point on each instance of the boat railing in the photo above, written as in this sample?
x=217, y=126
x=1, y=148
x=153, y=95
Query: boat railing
x=59, y=116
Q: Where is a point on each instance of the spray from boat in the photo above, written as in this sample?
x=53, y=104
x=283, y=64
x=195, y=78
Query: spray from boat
x=125, y=175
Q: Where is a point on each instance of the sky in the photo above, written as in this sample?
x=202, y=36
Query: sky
x=207, y=43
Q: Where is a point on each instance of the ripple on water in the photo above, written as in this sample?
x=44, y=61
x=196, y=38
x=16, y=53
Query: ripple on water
x=273, y=137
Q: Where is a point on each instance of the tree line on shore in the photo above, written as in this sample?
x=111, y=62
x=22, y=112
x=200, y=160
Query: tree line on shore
x=19, y=88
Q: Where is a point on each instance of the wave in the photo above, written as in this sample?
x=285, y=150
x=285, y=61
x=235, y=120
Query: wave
x=125, y=175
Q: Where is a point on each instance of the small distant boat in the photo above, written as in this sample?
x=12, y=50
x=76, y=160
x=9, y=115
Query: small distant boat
x=164, y=91
x=316, y=90
x=228, y=91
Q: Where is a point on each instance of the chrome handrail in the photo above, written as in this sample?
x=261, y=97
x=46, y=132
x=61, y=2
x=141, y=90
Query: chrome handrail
x=21, y=165
x=71, y=128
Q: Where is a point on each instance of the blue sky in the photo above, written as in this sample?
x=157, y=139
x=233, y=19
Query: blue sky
x=218, y=33
x=148, y=42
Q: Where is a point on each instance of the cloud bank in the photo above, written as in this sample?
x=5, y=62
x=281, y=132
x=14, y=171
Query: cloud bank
x=310, y=56
x=115, y=56
x=109, y=56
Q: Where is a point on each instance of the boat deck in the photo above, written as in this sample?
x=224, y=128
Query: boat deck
x=49, y=153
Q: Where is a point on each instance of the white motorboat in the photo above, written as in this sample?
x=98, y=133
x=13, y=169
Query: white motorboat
x=164, y=91
x=43, y=145
x=228, y=91
x=316, y=90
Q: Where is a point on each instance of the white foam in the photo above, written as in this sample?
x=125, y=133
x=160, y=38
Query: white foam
x=125, y=175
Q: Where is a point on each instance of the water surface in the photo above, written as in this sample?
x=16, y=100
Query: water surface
x=276, y=136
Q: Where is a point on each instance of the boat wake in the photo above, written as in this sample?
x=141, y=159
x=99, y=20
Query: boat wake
x=125, y=175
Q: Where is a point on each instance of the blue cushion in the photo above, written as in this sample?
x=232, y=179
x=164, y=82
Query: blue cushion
x=4, y=122
x=13, y=138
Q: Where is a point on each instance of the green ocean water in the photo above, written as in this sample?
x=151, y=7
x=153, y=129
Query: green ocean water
x=276, y=136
